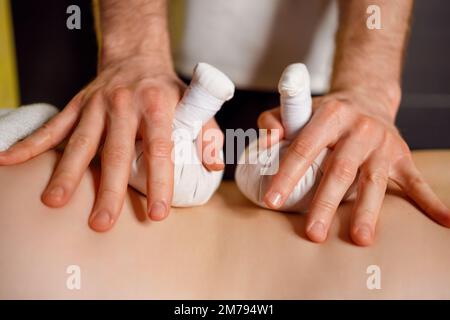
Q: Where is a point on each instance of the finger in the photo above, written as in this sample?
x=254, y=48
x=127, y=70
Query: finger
x=271, y=121
x=157, y=147
x=211, y=145
x=115, y=161
x=408, y=177
x=78, y=153
x=300, y=155
x=372, y=184
x=340, y=172
x=46, y=137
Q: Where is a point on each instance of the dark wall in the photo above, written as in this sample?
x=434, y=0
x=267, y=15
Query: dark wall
x=54, y=63
x=427, y=69
x=424, y=116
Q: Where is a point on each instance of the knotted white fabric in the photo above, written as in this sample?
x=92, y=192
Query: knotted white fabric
x=17, y=124
x=193, y=183
x=254, y=171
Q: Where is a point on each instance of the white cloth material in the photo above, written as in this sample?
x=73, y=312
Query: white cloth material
x=253, y=40
x=16, y=124
x=295, y=99
x=253, y=178
x=193, y=183
x=206, y=93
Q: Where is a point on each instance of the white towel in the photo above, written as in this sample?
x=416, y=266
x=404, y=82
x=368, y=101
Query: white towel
x=17, y=124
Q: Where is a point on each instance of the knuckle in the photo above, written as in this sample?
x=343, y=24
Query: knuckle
x=46, y=132
x=334, y=107
x=301, y=148
x=111, y=193
x=324, y=205
x=79, y=141
x=333, y=112
x=120, y=100
x=159, y=185
x=153, y=96
x=262, y=119
x=159, y=148
x=286, y=180
x=364, y=124
x=343, y=169
x=115, y=156
x=376, y=177
x=364, y=216
x=157, y=116
x=64, y=175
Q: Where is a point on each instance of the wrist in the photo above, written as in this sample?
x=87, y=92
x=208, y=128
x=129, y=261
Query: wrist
x=154, y=58
x=385, y=94
x=119, y=42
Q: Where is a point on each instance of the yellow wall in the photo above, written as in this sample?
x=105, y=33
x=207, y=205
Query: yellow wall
x=9, y=89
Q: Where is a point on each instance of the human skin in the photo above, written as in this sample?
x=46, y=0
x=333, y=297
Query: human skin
x=227, y=249
x=133, y=96
x=358, y=114
x=136, y=91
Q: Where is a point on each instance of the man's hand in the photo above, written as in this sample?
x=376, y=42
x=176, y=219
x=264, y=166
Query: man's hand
x=134, y=94
x=356, y=120
x=132, y=97
x=365, y=146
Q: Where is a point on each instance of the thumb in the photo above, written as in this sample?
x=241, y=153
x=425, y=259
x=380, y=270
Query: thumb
x=271, y=121
x=211, y=146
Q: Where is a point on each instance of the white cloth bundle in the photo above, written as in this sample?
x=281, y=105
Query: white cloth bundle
x=254, y=172
x=17, y=124
x=193, y=183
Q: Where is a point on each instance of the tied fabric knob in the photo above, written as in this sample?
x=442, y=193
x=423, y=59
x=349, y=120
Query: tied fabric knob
x=257, y=165
x=193, y=183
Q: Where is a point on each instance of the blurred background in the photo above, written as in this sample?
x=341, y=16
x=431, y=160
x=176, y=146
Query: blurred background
x=46, y=62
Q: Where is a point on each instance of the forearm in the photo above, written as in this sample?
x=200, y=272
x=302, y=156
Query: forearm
x=133, y=28
x=371, y=58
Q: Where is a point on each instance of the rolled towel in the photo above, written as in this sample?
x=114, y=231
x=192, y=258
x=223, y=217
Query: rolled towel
x=17, y=124
x=254, y=175
x=193, y=183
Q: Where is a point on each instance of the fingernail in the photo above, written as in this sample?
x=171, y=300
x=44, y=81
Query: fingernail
x=158, y=211
x=220, y=161
x=102, y=219
x=56, y=193
x=364, y=233
x=317, y=230
x=274, y=198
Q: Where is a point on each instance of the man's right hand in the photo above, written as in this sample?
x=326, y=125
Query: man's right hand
x=130, y=97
